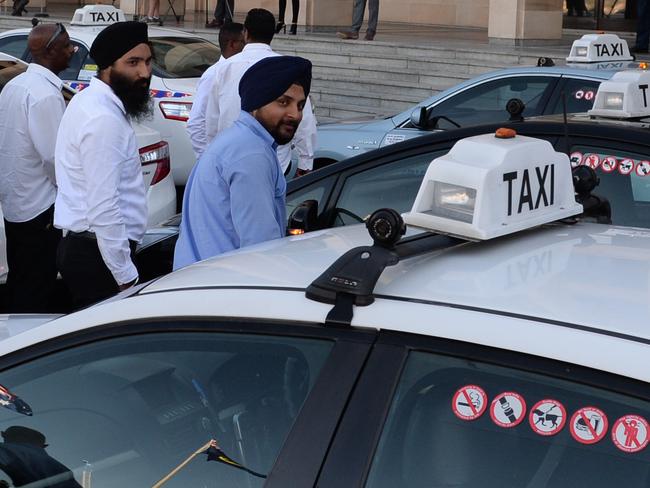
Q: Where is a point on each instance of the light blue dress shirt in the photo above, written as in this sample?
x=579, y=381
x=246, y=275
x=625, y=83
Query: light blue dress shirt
x=235, y=195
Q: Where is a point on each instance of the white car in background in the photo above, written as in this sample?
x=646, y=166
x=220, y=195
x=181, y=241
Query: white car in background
x=179, y=61
x=154, y=155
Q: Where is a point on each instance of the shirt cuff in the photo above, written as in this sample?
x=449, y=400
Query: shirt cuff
x=126, y=275
x=306, y=163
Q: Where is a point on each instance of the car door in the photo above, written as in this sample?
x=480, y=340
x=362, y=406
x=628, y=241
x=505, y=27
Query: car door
x=436, y=412
x=126, y=404
x=481, y=103
x=578, y=94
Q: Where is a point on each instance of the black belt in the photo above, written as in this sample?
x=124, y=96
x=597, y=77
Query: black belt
x=86, y=234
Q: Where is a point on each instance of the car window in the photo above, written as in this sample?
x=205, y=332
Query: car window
x=183, y=57
x=9, y=70
x=580, y=96
x=127, y=411
x=391, y=185
x=319, y=191
x=486, y=103
x=14, y=45
x=624, y=181
x=462, y=423
x=77, y=62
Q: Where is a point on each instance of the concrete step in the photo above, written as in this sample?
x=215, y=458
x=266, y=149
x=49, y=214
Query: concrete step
x=373, y=102
x=399, y=90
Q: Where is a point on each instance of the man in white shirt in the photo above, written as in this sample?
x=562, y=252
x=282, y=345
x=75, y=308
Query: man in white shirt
x=31, y=107
x=231, y=42
x=224, y=104
x=102, y=199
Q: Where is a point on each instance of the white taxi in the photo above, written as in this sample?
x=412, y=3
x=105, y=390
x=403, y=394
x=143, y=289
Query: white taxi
x=179, y=61
x=502, y=342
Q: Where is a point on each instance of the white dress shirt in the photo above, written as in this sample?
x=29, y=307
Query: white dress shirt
x=31, y=107
x=99, y=175
x=196, y=122
x=224, y=106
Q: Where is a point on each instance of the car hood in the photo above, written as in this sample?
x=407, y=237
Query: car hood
x=14, y=324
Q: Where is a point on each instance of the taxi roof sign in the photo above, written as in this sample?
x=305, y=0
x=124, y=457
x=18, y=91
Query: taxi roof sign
x=598, y=48
x=624, y=96
x=487, y=187
x=97, y=15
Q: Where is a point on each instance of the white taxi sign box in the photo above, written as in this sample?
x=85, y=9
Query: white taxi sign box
x=598, y=48
x=97, y=15
x=487, y=186
x=624, y=96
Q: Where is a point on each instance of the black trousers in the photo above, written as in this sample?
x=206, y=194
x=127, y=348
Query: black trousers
x=84, y=271
x=31, y=257
x=224, y=13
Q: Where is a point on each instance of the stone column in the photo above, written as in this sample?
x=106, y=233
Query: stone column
x=518, y=20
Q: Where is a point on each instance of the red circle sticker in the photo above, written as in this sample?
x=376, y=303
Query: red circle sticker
x=469, y=402
x=592, y=160
x=589, y=95
x=547, y=417
x=643, y=168
x=588, y=425
x=576, y=159
x=630, y=433
x=579, y=95
x=508, y=409
x=609, y=164
x=625, y=166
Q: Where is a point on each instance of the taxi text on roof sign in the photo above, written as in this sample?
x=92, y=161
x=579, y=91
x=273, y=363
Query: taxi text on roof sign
x=488, y=186
x=625, y=95
x=596, y=48
x=97, y=15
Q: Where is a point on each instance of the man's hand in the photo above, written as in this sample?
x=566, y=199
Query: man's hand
x=302, y=172
x=126, y=286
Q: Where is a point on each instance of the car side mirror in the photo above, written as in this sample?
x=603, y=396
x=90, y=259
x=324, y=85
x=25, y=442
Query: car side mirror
x=304, y=218
x=419, y=118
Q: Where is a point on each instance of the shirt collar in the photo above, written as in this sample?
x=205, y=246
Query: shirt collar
x=257, y=46
x=251, y=122
x=46, y=73
x=102, y=87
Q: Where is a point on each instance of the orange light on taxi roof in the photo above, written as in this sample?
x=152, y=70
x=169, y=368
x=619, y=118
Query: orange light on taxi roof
x=295, y=232
x=505, y=133
x=643, y=65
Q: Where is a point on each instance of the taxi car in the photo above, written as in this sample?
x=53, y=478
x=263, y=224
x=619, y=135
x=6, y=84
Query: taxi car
x=615, y=143
x=179, y=61
x=502, y=341
x=593, y=58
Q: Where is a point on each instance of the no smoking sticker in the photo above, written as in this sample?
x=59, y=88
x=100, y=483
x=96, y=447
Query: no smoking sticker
x=469, y=402
x=630, y=433
x=588, y=425
x=508, y=409
x=609, y=164
x=547, y=417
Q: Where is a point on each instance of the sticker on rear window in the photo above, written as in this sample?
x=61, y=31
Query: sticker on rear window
x=588, y=425
x=630, y=433
x=609, y=164
x=547, y=417
x=469, y=402
x=576, y=159
x=643, y=168
x=592, y=160
x=508, y=409
x=625, y=166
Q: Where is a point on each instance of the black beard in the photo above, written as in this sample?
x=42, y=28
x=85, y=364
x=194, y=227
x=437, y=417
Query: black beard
x=134, y=95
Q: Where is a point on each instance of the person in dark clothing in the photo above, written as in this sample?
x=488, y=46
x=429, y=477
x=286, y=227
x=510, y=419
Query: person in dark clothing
x=295, y=9
x=642, y=27
x=222, y=13
x=24, y=459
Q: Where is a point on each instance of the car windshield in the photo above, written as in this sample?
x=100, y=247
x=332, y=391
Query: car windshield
x=183, y=57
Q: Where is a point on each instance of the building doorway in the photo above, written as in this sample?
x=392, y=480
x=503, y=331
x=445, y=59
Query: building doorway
x=618, y=15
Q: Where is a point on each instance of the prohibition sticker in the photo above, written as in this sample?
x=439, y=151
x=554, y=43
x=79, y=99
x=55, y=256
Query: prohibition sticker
x=588, y=425
x=508, y=409
x=469, y=402
x=592, y=160
x=630, y=433
x=576, y=159
x=609, y=164
x=643, y=168
x=589, y=95
x=626, y=166
x=547, y=417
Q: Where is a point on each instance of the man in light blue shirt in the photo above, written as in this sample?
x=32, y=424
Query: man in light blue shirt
x=235, y=195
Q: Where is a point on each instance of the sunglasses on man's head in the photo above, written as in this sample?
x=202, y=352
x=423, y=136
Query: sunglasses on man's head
x=60, y=29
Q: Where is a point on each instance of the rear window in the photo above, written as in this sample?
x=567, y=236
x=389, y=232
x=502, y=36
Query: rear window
x=183, y=57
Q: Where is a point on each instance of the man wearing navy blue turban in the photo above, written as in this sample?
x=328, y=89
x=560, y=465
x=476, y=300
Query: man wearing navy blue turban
x=235, y=195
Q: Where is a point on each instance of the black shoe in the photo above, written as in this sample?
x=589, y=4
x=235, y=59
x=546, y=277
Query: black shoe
x=293, y=30
x=280, y=26
x=213, y=24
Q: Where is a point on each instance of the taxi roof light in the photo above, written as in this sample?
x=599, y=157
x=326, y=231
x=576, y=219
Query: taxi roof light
x=624, y=96
x=489, y=186
x=93, y=15
x=597, y=48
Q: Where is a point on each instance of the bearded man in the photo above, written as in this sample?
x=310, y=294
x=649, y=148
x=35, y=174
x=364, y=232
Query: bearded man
x=101, y=201
x=235, y=195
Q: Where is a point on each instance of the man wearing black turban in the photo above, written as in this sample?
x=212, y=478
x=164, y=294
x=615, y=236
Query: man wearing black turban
x=101, y=200
x=235, y=195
